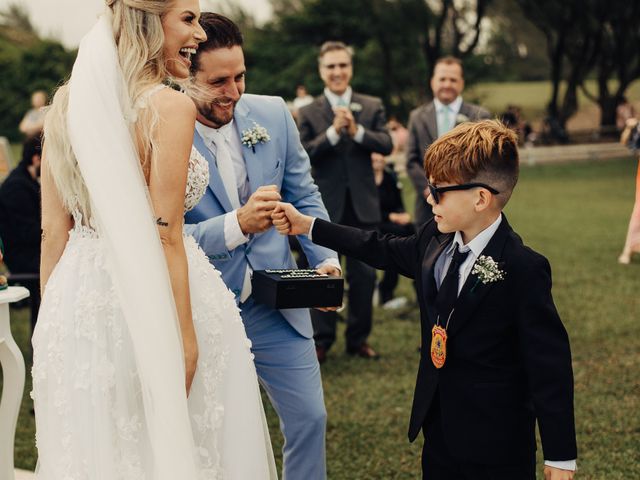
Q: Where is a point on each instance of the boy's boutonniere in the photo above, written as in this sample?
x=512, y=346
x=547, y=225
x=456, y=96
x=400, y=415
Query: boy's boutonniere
x=461, y=118
x=355, y=107
x=487, y=270
x=252, y=136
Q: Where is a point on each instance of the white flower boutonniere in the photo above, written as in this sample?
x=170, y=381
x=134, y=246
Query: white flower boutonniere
x=355, y=107
x=255, y=135
x=461, y=118
x=486, y=270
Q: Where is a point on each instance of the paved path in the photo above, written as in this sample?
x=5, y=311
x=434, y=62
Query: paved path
x=573, y=153
x=24, y=475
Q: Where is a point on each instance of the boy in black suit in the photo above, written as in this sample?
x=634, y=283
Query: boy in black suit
x=495, y=354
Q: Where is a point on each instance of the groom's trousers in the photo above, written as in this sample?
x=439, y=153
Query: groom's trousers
x=288, y=370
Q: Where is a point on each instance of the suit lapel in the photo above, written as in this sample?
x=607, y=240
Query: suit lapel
x=429, y=288
x=474, y=291
x=251, y=160
x=215, y=180
x=431, y=121
x=325, y=107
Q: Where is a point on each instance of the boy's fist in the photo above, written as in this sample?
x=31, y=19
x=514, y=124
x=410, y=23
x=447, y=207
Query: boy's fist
x=289, y=221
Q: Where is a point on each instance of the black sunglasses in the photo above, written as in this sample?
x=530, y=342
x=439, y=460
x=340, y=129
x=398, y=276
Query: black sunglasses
x=437, y=191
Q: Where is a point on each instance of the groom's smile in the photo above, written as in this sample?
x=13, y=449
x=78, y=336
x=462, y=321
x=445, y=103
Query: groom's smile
x=220, y=75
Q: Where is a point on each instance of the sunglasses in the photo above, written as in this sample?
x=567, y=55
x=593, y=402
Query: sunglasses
x=437, y=191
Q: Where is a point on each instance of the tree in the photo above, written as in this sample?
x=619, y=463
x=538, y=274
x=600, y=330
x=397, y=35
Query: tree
x=619, y=56
x=28, y=63
x=586, y=37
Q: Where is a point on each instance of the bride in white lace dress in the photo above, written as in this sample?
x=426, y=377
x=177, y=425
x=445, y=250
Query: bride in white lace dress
x=133, y=317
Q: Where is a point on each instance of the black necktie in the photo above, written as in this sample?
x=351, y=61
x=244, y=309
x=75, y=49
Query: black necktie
x=448, y=292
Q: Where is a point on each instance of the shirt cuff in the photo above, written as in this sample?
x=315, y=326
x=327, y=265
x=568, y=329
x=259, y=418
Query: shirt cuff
x=313, y=222
x=334, y=262
x=359, y=136
x=563, y=465
x=233, y=236
x=332, y=136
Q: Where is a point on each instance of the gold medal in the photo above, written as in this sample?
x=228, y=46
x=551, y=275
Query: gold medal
x=438, y=346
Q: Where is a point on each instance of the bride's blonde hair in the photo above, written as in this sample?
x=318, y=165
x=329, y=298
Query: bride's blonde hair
x=139, y=38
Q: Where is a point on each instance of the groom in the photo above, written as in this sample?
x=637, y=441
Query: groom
x=255, y=159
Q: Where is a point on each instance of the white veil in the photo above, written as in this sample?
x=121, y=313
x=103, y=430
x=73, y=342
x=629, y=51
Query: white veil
x=103, y=145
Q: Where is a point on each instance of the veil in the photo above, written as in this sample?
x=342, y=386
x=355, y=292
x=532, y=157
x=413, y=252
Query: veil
x=102, y=141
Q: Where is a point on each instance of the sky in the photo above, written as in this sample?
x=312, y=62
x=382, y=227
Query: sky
x=69, y=20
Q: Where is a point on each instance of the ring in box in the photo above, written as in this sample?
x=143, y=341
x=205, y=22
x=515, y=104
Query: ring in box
x=296, y=288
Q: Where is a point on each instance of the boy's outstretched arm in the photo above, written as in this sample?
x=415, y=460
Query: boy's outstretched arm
x=382, y=252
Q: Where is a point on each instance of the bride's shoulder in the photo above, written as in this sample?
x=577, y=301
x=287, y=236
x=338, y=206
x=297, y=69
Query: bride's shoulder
x=172, y=105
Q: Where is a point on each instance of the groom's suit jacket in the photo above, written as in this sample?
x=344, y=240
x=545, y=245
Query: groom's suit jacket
x=423, y=131
x=282, y=162
x=508, y=358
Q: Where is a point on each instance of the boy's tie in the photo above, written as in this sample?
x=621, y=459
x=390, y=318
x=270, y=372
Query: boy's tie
x=448, y=291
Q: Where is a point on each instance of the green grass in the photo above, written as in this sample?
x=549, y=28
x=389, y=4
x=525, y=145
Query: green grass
x=577, y=216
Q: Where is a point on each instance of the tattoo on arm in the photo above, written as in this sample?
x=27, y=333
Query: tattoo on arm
x=161, y=223
x=43, y=236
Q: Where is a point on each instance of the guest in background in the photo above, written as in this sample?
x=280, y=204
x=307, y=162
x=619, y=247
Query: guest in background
x=340, y=130
x=395, y=220
x=631, y=137
x=302, y=98
x=624, y=112
x=430, y=121
x=20, y=221
x=33, y=121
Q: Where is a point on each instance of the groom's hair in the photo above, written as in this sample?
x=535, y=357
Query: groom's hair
x=484, y=151
x=221, y=33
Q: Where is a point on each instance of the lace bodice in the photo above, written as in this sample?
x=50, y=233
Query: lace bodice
x=197, y=179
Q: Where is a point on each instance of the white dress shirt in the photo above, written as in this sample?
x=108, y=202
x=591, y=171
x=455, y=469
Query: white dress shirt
x=233, y=236
x=341, y=100
x=475, y=248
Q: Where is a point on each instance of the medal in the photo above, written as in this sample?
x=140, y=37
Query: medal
x=438, y=346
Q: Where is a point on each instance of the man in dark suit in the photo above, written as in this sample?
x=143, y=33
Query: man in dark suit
x=20, y=220
x=495, y=354
x=340, y=130
x=429, y=121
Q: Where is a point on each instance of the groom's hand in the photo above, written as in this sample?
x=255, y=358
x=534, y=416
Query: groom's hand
x=334, y=272
x=255, y=215
x=551, y=473
x=289, y=221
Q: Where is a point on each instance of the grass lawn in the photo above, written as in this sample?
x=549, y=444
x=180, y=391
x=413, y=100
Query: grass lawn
x=577, y=216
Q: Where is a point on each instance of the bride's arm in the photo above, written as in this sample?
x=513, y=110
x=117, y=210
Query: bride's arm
x=56, y=223
x=167, y=184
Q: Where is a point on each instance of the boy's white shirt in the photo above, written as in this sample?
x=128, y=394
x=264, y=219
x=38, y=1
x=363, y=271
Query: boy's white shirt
x=475, y=248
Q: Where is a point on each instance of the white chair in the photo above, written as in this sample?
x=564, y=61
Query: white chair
x=13, y=381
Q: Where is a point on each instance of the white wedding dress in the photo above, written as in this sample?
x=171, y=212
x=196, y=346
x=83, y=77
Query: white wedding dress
x=90, y=415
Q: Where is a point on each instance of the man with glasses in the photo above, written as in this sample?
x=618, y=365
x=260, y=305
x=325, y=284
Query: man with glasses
x=430, y=121
x=340, y=130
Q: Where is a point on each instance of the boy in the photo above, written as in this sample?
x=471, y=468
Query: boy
x=495, y=354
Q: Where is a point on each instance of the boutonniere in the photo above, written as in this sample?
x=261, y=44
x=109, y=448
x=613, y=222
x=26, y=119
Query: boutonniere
x=355, y=107
x=255, y=135
x=461, y=118
x=487, y=270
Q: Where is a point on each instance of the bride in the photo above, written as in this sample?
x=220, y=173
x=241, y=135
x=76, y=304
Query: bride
x=142, y=369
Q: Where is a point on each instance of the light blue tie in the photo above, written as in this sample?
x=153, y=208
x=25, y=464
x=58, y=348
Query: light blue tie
x=444, y=120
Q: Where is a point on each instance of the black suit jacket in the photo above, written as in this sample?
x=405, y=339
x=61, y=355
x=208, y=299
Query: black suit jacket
x=347, y=165
x=423, y=131
x=508, y=358
x=20, y=221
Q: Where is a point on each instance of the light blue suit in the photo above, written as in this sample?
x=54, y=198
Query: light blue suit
x=282, y=340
